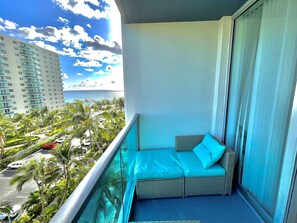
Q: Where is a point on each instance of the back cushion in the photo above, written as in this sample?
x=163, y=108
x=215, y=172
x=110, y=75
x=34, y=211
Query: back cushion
x=203, y=155
x=215, y=149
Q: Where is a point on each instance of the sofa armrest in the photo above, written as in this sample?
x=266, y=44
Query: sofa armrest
x=228, y=162
x=187, y=143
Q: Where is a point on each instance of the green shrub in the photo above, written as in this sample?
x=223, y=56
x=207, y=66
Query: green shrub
x=6, y=161
x=20, y=140
x=23, y=219
x=13, y=151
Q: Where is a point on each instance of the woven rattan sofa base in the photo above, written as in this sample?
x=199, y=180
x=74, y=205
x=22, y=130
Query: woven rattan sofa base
x=160, y=188
x=207, y=185
x=204, y=185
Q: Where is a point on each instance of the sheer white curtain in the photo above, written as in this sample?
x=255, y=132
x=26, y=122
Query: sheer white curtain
x=267, y=75
x=243, y=60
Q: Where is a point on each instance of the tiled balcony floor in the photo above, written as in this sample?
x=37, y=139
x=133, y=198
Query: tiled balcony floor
x=207, y=209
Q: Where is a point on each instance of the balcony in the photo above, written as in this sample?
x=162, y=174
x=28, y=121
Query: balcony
x=106, y=194
x=33, y=76
x=35, y=102
x=5, y=99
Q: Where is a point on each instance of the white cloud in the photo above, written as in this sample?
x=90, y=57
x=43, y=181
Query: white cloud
x=48, y=33
x=89, y=25
x=89, y=69
x=60, y=19
x=90, y=63
x=113, y=81
x=72, y=37
x=99, y=72
x=81, y=7
x=10, y=25
x=64, y=75
x=79, y=74
x=102, y=56
x=6, y=24
x=65, y=52
x=45, y=46
x=68, y=52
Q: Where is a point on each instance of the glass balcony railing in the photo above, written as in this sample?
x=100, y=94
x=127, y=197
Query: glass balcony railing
x=4, y=93
x=35, y=97
x=32, y=76
x=105, y=194
x=5, y=106
x=5, y=99
x=35, y=102
x=32, y=92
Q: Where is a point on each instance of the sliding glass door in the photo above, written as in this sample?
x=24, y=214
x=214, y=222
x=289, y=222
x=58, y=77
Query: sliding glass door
x=263, y=78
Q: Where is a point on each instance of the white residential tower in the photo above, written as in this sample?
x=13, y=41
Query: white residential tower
x=30, y=77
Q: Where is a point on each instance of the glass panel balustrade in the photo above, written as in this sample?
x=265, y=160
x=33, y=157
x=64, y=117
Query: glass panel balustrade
x=110, y=198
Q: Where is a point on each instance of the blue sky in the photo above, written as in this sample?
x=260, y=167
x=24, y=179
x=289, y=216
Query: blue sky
x=85, y=33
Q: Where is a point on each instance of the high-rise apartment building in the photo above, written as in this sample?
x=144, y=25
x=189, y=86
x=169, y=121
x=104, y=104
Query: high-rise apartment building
x=30, y=77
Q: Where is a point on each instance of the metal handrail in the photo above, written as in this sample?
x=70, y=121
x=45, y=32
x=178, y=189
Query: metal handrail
x=73, y=204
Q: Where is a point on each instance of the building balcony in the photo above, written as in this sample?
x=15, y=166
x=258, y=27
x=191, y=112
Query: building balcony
x=112, y=178
x=33, y=87
x=32, y=81
x=31, y=69
x=34, y=92
x=5, y=100
x=35, y=101
x=33, y=97
x=5, y=107
x=33, y=76
x=4, y=87
x=4, y=93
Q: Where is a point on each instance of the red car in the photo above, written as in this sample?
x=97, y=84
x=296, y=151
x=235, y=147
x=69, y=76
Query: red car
x=50, y=145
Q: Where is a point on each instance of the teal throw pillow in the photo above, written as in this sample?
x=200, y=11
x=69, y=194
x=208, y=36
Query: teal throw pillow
x=214, y=147
x=203, y=155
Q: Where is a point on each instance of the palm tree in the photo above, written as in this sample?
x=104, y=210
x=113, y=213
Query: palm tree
x=109, y=192
x=119, y=103
x=113, y=124
x=65, y=157
x=39, y=171
x=5, y=207
x=85, y=119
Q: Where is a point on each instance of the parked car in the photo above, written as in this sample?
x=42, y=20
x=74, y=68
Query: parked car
x=15, y=210
x=16, y=164
x=50, y=145
x=60, y=140
x=87, y=142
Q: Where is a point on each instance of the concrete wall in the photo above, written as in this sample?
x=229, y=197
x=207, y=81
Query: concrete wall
x=170, y=75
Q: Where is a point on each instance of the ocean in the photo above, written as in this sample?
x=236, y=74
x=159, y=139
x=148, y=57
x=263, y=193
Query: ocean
x=71, y=96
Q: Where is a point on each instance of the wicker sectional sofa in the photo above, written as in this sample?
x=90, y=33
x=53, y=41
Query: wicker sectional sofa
x=200, y=181
x=179, y=173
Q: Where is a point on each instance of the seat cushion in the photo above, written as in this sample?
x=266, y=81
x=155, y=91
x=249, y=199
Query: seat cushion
x=157, y=164
x=193, y=167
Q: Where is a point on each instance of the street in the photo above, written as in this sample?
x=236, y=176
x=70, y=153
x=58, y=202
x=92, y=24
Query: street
x=9, y=193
